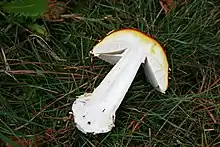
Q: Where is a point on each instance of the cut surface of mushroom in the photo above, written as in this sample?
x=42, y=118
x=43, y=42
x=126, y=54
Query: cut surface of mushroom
x=126, y=49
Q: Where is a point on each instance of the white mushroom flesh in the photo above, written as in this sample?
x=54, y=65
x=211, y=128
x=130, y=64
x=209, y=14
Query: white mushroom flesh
x=95, y=112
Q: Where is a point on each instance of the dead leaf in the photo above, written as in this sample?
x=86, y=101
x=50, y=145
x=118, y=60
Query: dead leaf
x=55, y=10
x=168, y=5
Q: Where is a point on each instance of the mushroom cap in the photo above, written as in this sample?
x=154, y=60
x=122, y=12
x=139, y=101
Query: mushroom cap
x=111, y=49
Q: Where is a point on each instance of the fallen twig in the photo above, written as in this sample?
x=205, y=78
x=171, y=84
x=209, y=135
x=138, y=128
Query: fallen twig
x=7, y=67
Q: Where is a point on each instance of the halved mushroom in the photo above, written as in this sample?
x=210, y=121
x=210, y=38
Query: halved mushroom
x=127, y=49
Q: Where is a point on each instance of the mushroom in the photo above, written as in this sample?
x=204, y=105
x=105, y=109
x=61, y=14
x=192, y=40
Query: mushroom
x=126, y=49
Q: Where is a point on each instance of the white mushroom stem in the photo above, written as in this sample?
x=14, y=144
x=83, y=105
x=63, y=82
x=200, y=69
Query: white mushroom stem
x=95, y=112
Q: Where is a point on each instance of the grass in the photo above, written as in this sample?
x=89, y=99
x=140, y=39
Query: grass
x=37, y=92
